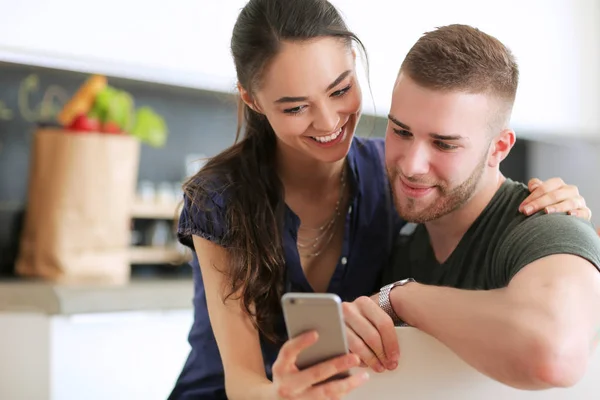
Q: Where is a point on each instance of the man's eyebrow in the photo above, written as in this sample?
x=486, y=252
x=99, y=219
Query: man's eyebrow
x=397, y=122
x=434, y=135
x=333, y=84
x=437, y=136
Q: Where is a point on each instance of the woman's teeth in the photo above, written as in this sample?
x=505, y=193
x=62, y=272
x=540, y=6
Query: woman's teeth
x=328, y=138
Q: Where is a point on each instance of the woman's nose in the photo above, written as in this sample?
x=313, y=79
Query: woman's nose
x=326, y=119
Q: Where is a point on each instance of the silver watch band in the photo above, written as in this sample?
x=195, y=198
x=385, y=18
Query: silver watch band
x=384, y=300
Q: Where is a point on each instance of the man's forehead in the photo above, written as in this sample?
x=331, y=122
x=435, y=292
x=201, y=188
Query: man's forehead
x=447, y=119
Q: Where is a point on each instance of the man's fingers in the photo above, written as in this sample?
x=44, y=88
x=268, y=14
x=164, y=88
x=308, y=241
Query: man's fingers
x=364, y=332
x=360, y=348
x=371, y=327
x=387, y=332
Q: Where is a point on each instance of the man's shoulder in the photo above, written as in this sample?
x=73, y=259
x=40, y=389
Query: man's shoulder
x=555, y=224
x=500, y=216
x=508, y=197
x=542, y=235
x=539, y=227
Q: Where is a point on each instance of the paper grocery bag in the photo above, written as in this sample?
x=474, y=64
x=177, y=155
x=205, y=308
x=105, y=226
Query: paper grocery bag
x=77, y=220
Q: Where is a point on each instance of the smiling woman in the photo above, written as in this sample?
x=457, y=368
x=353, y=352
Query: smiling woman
x=279, y=210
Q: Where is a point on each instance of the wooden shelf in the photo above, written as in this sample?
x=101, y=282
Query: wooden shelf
x=156, y=255
x=151, y=210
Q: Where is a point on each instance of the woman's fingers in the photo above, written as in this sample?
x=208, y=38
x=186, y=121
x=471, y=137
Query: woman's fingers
x=336, y=389
x=549, y=194
x=584, y=213
x=286, y=360
x=327, y=369
x=292, y=383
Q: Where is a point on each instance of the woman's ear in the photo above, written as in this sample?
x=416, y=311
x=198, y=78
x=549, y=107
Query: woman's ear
x=247, y=98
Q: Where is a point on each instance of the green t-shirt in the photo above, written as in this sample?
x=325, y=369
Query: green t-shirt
x=500, y=242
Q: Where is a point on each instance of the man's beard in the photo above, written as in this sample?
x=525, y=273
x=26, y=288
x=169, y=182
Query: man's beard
x=448, y=200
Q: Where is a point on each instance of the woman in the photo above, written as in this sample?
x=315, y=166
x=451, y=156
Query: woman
x=298, y=204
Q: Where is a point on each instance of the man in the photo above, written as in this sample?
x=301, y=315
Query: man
x=516, y=297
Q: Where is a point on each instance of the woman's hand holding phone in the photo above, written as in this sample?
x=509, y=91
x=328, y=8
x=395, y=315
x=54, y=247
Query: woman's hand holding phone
x=312, y=383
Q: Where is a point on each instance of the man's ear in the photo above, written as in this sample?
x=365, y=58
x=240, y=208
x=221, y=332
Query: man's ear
x=247, y=98
x=500, y=147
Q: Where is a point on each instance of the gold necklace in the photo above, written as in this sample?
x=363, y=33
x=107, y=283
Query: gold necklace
x=314, y=246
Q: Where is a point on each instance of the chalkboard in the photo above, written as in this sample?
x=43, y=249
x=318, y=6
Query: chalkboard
x=200, y=122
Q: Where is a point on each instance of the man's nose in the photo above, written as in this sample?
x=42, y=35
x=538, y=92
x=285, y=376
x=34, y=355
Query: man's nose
x=415, y=160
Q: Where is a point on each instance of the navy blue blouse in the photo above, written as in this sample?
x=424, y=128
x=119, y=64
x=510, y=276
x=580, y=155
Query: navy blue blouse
x=371, y=224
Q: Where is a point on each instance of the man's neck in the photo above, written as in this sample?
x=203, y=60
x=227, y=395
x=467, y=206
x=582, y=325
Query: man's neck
x=445, y=233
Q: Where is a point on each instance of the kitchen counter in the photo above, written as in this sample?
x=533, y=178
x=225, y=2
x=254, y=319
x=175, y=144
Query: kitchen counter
x=20, y=295
x=80, y=341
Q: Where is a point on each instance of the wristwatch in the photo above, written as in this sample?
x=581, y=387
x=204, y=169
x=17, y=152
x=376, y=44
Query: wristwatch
x=384, y=300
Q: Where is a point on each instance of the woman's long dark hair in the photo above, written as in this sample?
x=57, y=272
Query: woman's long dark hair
x=254, y=193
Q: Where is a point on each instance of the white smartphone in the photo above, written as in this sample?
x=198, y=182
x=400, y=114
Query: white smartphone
x=321, y=312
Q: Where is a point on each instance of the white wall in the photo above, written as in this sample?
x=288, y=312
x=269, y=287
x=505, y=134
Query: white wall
x=186, y=42
x=180, y=42
x=556, y=42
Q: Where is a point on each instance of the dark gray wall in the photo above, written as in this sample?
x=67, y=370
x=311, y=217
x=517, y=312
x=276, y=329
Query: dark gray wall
x=199, y=122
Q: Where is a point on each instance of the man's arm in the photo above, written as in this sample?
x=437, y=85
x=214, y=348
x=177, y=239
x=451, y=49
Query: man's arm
x=534, y=334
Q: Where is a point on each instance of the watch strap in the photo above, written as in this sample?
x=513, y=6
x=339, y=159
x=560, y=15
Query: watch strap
x=385, y=303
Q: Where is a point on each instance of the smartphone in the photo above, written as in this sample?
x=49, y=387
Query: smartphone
x=321, y=312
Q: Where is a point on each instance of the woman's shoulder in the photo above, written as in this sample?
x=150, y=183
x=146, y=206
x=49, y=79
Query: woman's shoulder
x=369, y=146
x=206, y=190
x=203, y=213
x=367, y=157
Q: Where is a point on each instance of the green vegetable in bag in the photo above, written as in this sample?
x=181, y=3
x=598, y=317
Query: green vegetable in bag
x=149, y=127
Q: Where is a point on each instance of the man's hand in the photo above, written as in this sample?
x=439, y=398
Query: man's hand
x=371, y=334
